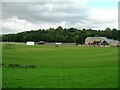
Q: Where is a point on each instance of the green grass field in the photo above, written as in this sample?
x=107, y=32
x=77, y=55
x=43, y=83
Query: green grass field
x=60, y=67
x=0, y=67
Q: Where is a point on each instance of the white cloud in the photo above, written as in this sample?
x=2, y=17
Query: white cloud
x=14, y=25
x=103, y=15
x=102, y=18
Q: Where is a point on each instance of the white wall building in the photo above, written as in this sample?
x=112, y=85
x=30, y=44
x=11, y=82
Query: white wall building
x=30, y=43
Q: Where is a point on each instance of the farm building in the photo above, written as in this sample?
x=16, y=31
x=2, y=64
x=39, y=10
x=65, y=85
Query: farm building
x=92, y=40
x=41, y=42
x=97, y=41
x=115, y=43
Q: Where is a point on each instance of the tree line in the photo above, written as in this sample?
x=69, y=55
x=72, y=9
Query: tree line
x=70, y=35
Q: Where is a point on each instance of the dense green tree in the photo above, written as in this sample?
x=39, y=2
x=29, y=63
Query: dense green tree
x=70, y=35
x=115, y=34
x=76, y=38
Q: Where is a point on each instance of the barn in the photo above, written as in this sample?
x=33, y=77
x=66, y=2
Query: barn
x=92, y=41
x=100, y=41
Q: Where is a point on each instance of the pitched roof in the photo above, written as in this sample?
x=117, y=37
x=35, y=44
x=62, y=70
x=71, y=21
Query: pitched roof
x=105, y=39
x=101, y=39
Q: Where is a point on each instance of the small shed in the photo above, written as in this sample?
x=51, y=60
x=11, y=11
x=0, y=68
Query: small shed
x=58, y=43
x=30, y=43
x=41, y=43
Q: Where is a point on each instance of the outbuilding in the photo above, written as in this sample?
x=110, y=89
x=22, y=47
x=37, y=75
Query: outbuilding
x=30, y=43
x=115, y=43
x=101, y=41
x=41, y=43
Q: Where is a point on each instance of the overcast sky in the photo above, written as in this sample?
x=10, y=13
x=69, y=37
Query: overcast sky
x=26, y=16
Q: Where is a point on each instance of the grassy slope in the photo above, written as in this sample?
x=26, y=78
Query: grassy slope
x=61, y=66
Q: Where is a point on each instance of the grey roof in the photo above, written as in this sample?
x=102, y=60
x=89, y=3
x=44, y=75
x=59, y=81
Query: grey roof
x=106, y=39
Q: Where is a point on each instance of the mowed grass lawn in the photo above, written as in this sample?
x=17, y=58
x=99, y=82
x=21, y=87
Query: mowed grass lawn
x=60, y=67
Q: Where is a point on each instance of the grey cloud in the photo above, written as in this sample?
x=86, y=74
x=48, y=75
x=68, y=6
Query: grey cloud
x=6, y=30
x=40, y=12
x=53, y=13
